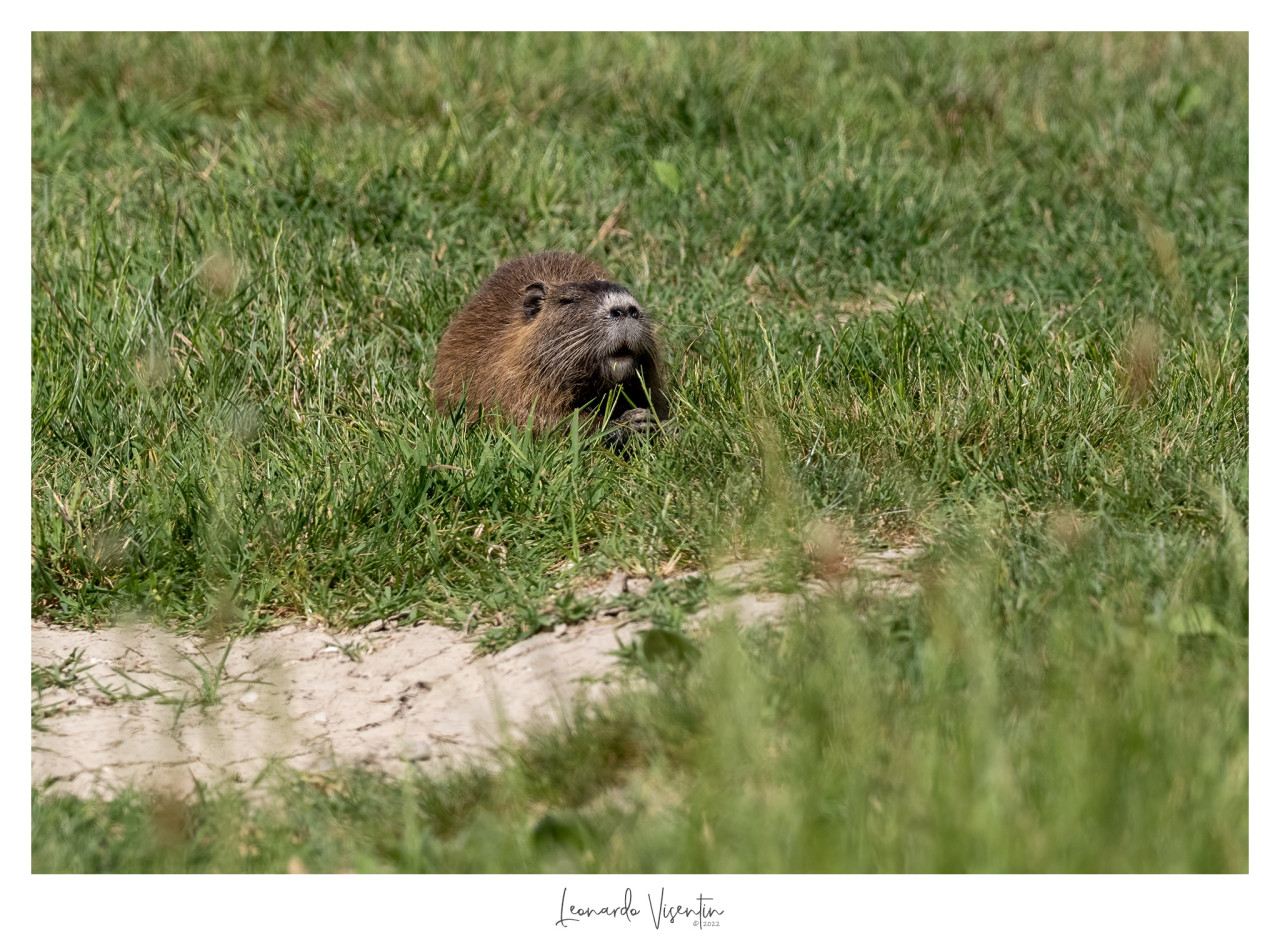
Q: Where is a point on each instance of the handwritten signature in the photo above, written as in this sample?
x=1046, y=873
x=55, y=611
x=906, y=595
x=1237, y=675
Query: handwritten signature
x=703, y=915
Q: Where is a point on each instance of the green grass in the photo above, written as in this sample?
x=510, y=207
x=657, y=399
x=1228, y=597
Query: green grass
x=990, y=291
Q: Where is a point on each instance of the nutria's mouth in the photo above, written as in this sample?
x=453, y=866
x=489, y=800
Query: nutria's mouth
x=621, y=363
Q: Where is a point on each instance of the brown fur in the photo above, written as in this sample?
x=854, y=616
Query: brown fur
x=548, y=334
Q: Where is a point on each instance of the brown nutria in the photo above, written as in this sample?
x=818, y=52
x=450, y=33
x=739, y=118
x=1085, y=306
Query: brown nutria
x=548, y=334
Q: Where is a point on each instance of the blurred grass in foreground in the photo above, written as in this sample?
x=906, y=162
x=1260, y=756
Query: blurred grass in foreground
x=970, y=729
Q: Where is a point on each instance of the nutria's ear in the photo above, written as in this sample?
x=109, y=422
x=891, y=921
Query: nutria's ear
x=534, y=295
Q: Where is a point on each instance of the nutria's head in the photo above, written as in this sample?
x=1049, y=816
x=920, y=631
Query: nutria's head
x=589, y=337
x=546, y=335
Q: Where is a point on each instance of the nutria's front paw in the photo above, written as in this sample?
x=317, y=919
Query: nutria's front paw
x=632, y=422
x=640, y=421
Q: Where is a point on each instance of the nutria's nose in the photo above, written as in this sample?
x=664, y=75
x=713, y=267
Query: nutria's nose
x=624, y=311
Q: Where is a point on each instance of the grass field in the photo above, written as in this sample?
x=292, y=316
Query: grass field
x=985, y=293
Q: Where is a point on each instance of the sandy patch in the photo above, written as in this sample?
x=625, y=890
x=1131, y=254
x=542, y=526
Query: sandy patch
x=143, y=707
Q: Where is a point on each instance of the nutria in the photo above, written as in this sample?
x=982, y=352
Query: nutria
x=549, y=334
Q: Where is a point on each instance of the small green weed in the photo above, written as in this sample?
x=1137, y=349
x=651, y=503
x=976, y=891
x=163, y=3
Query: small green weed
x=46, y=680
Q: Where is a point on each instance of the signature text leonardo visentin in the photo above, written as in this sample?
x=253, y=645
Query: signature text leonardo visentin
x=702, y=915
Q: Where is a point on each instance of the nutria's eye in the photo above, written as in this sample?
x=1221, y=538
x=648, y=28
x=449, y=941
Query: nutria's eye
x=534, y=295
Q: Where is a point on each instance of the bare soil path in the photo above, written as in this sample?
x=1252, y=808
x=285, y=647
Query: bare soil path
x=140, y=706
